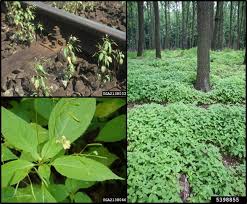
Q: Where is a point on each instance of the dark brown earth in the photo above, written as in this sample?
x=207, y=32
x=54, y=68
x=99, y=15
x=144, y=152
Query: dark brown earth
x=111, y=13
x=229, y=160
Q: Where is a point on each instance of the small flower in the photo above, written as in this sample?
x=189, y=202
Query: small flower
x=64, y=142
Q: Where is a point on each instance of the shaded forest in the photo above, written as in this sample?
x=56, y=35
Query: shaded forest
x=178, y=24
x=186, y=101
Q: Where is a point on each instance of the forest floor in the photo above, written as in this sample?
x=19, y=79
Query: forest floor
x=185, y=145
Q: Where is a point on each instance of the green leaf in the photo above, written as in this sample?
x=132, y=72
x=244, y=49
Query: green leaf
x=114, y=130
x=15, y=171
x=44, y=106
x=58, y=191
x=7, y=154
x=69, y=118
x=27, y=156
x=22, y=136
x=41, y=194
x=42, y=132
x=103, y=152
x=7, y=195
x=74, y=185
x=45, y=171
x=65, y=52
x=108, y=107
x=81, y=197
x=83, y=168
x=101, y=56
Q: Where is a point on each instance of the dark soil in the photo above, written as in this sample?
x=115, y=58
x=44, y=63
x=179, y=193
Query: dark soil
x=229, y=160
x=110, y=13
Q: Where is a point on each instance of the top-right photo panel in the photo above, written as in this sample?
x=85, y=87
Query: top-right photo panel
x=186, y=101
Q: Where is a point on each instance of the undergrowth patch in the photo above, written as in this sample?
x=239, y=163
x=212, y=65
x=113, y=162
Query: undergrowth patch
x=175, y=130
x=171, y=78
x=165, y=142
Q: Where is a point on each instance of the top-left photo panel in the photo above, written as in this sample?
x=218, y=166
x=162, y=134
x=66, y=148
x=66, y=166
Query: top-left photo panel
x=63, y=48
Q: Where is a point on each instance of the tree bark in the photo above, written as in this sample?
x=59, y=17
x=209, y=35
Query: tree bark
x=177, y=39
x=217, y=43
x=187, y=24
x=211, y=20
x=169, y=25
x=183, y=26
x=166, y=26
x=152, y=24
x=238, y=30
x=230, y=31
x=241, y=20
x=193, y=23
x=203, y=57
x=141, y=28
x=157, y=29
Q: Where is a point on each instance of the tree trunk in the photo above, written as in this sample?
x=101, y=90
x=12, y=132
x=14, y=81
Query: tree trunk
x=141, y=28
x=183, y=26
x=187, y=24
x=238, y=39
x=193, y=23
x=230, y=31
x=169, y=25
x=152, y=24
x=166, y=26
x=244, y=24
x=211, y=20
x=177, y=39
x=217, y=43
x=157, y=29
x=221, y=33
x=203, y=57
x=241, y=20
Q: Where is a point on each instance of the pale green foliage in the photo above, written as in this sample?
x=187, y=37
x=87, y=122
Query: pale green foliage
x=68, y=120
x=164, y=142
x=69, y=54
x=171, y=79
x=107, y=55
x=39, y=80
x=189, y=132
x=23, y=20
x=75, y=6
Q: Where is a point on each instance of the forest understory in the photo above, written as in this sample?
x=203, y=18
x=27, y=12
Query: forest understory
x=185, y=145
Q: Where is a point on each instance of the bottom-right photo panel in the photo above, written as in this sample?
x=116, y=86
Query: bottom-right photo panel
x=186, y=102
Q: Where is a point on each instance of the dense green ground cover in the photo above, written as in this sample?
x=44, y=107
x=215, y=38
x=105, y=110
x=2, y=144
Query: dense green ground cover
x=182, y=135
x=171, y=79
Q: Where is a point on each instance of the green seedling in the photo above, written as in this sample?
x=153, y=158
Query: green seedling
x=106, y=55
x=69, y=53
x=39, y=80
x=23, y=21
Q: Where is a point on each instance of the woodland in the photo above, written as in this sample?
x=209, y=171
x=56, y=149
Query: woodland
x=186, y=100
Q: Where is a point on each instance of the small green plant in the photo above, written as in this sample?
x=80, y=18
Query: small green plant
x=106, y=55
x=75, y=7
x=50, y=139
x=39, y=80
x=40, y=27
x=69, y=53
x=22, y=20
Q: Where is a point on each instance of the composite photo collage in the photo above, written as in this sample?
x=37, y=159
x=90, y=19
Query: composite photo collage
x=123, y=102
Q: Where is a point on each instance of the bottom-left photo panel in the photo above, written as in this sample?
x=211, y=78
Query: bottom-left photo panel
x=63, y=150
